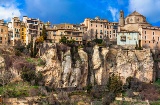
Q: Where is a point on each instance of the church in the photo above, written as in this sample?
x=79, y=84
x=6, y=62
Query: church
x=134, y=29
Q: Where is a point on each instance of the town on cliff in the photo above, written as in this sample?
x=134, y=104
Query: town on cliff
x=96, y=62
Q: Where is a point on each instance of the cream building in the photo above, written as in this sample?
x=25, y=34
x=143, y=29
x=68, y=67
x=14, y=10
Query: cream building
x=33, y=28
x=68, y=30
x=14, y=27
x=101, y=28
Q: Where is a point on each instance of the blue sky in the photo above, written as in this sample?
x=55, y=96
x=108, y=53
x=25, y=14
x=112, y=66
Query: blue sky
x=75, y=11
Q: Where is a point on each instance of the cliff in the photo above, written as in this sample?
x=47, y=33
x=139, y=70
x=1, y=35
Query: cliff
x=95, y=67
x=78, y=67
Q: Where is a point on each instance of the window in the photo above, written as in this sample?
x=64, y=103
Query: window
x=145, y=41
x=101, y=25
x=104, y=31
x=158, y=38
x=145, y=37
x=113, y=31
x=100, y=31
x=110, y=36
x=153, y=33
x=22, y=33
x=91, y=25
x=144, y=32
x=149, y=41
x=105, y=26
x=101, y=37
x=110, y=32
x=96, y=25
x=22, y=29
x=1, y=30
x=123, y=38
x=0, y=39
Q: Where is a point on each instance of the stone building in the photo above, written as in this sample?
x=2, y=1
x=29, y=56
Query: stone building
x=3, y=33
x=101, y=28
x=55, y=33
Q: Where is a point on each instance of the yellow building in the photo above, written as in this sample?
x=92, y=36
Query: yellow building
x=23, y=33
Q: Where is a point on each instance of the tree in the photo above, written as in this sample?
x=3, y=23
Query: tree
x=63, y=40
x=114, y=83
x=44, y=32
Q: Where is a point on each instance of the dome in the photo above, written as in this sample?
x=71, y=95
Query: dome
x=135, y=18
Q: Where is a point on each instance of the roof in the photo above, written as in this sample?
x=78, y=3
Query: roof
x=135, y=13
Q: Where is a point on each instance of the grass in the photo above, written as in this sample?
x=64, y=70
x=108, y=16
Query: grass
x=155, y=103
x=36, y=61
x=15, y=90
x=157, y=83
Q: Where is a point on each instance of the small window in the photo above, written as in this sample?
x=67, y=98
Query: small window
x=1, y=30
x=153, y=33
x=0, y=39
x=145, y=37
x=158, y=38
x=145, y=41
x=91, y=25
x=101, y=25
x=149, y=41
x=144, y=32
x=105, y=26
x=96, y=25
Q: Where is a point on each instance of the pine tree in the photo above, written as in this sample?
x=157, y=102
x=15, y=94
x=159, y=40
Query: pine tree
x=44, y=32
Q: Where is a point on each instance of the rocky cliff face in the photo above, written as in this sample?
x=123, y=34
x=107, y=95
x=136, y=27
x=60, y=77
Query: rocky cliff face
x=104, y=61
x=92, y=66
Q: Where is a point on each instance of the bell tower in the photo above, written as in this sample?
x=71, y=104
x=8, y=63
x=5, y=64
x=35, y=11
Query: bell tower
x=121, y=18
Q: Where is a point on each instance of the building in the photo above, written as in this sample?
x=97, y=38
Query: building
x=55, y=33
x=135, y=22
x=33, y=28
x=3, y=33
x=100, y=28
x=23, y=33
x=128, y=38
x=14, y=27
x=150, y=37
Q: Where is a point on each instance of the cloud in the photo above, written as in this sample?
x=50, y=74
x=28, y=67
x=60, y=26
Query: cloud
x=149, y=8
x=114, y=13
x=9, y=9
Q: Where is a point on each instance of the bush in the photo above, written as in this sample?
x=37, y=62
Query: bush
x=114, y=84
x=98, y=41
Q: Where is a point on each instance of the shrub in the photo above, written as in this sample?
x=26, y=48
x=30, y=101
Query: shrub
x=114, y=84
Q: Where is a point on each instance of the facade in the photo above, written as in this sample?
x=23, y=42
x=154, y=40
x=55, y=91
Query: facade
x=33, y=28
x=23, y=33
x=55, y=33
x=128, y=38
x=14, y=27
x=101, y=28
x=3, y=33
x=150, y=37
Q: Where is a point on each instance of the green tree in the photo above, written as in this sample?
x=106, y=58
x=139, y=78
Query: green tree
x=114, y=83
x=63, y=40
x=44, y=32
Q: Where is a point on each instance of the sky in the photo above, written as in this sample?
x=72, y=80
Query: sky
x=75, y=11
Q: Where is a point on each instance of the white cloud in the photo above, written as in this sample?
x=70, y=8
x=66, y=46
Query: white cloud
x=114, y=13
x=9, y=9
x=149, y=8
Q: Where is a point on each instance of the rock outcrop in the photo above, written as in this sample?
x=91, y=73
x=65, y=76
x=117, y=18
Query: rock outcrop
x=65, y=69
